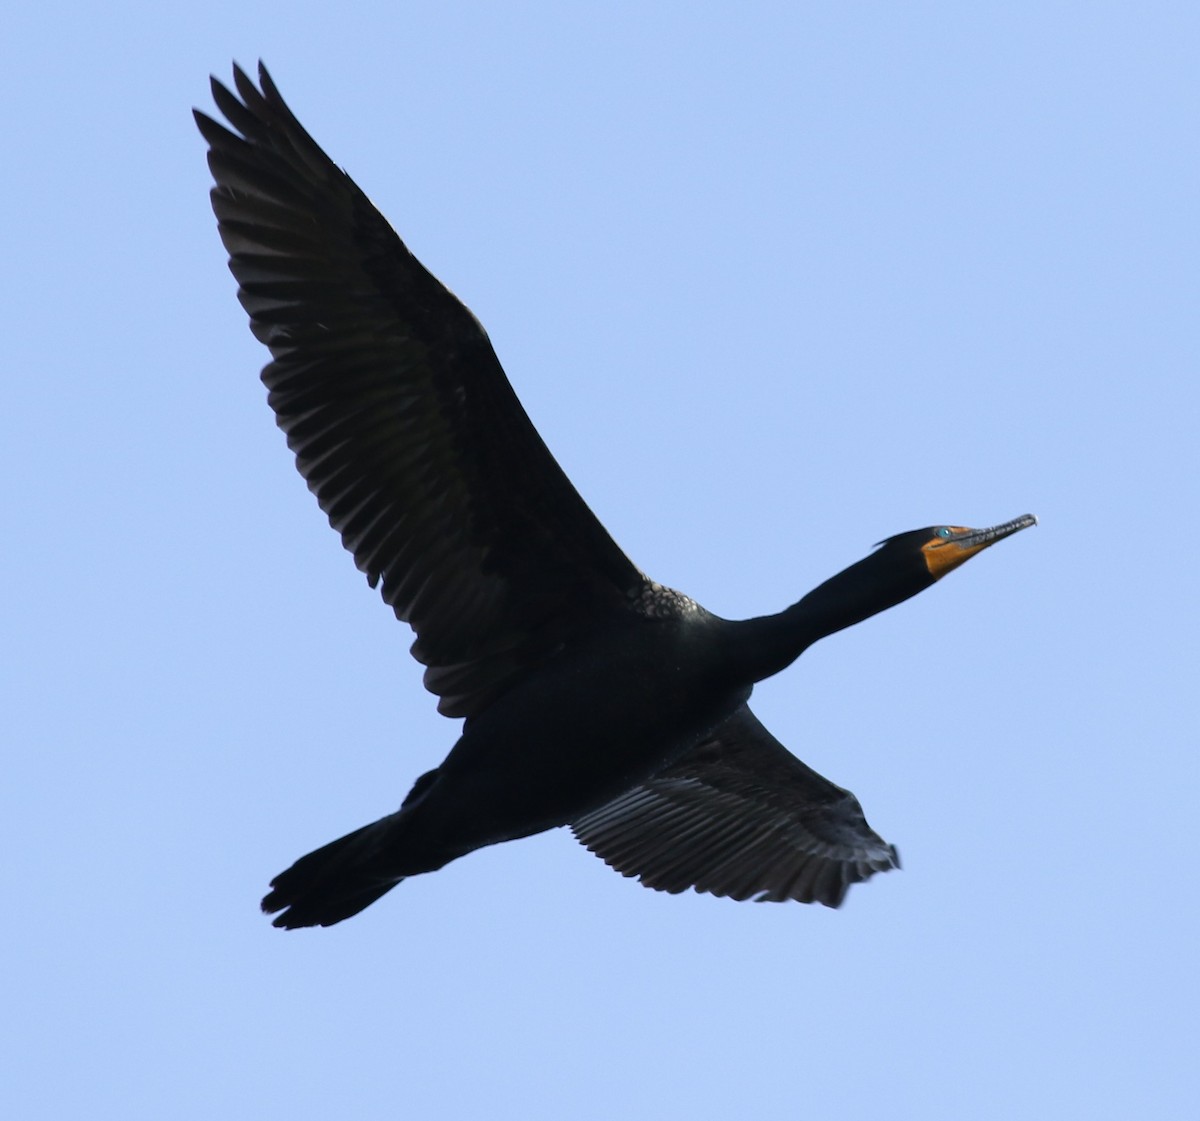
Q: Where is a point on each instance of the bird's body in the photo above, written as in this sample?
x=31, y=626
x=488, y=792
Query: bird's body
x=529, y=763
x=593, y=697
x=530, y=759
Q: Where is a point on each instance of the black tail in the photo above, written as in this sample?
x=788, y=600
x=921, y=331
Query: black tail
x=336, y=881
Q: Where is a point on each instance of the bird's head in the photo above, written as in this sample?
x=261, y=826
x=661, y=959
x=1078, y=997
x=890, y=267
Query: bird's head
x=931, y=553
x=899, y=568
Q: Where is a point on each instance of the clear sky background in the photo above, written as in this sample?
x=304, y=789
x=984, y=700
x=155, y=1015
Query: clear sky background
x=774, y=281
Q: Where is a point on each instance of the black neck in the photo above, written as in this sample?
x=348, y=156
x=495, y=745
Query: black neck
x=769, y=643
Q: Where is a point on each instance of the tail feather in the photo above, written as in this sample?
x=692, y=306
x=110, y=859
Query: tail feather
x=333, y=882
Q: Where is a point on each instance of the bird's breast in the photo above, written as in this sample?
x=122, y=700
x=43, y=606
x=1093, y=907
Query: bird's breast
x=583, y=731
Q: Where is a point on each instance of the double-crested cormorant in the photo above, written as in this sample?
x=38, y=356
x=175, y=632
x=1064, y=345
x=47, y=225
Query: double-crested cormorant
x=593, y=697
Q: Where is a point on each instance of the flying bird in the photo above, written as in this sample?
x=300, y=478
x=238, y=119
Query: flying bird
x=591, y=696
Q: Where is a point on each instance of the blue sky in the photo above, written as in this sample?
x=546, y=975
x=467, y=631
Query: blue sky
x=774, y=281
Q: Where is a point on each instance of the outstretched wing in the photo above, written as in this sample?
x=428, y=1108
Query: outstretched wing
x=402, y=421
x=739, y=816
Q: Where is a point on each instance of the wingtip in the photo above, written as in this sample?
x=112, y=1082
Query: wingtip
x=266, y=82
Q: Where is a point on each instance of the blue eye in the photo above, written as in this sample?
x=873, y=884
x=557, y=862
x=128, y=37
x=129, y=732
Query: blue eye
x=944, y=531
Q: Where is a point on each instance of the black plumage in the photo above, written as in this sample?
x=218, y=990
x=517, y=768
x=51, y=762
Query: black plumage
x=592, y=696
